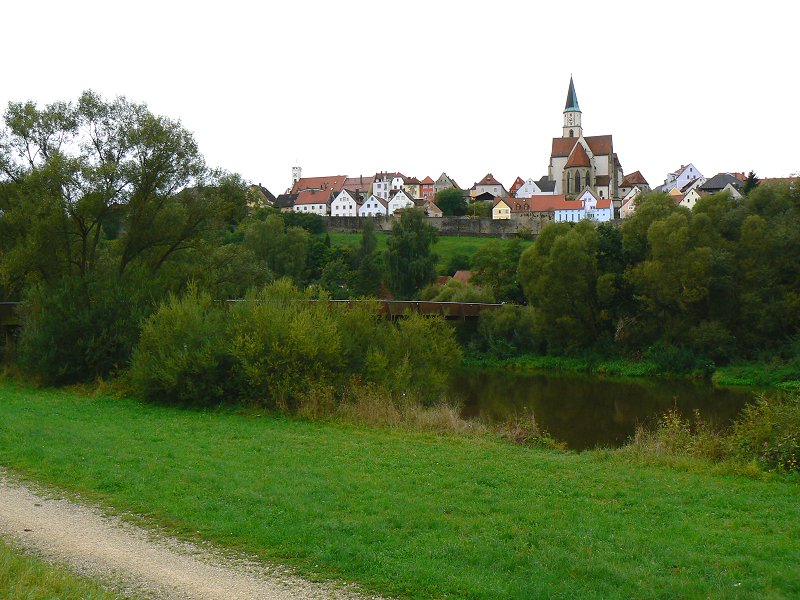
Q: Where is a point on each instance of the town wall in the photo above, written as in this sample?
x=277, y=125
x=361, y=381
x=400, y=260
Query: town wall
x=449, y=225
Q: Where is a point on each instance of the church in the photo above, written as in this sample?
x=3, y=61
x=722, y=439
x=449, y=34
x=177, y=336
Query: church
x=578, y=161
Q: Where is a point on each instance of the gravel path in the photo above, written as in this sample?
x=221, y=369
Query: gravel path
x=138, y=561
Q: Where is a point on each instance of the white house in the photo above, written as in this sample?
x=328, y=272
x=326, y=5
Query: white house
x=313, y=201
x=399, y=200
x=629, y=202
x=383, y=184
x=594, y=209
x=528, y=189
x=680, y=178
x=691, y=198
x=373, y=206
x=488, y=184
x=346, y=204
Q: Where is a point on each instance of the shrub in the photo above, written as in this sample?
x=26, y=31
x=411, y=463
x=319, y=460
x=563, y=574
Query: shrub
x=768, y=431
x=282, y=342
x=80, y=329
x=675, y=359
x=183, y=354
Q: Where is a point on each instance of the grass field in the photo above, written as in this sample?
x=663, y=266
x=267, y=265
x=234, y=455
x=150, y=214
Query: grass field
x=447, y=246
x=411, y=514
x=24, y=577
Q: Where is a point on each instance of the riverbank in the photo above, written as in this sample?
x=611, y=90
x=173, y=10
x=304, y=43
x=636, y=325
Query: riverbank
x=414, y=514
x=761, y=375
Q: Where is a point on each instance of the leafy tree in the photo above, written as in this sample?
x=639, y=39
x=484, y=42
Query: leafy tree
x=451, y=201
x=457, y=262
x=559, y=275
x=368, y=268
x=283, y=249
x=411, y=264
x=496, y=266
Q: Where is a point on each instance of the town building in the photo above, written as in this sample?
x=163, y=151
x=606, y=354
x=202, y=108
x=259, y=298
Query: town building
x=578, y=161
x=313, y=201
x=374, y=206
x=346, y=204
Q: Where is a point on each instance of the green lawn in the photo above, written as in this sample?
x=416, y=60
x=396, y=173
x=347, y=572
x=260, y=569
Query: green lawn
x=447, y=246
x=25, y=577
x=411, y=514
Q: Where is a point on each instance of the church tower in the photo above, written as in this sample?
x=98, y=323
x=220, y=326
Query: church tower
x=297, y=173
x=572, y=114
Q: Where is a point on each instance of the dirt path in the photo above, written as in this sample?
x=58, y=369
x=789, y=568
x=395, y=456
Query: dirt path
x=136, y=560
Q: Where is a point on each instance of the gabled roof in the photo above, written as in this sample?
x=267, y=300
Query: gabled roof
x=285, y=201
x=268, y=196
x=678, y=198
x=358, y=197
x=572, y=98
x=632, y=179
x=578, y=157
x=600, y=145
x=394, y=193
x=388, y=175
x=719, y=181
x=546, y=185
x=488, y=180
x=428, y=181
x=411, y=181
x=604, y=203
x=314, y=197
x=330, y=182
x=688, y=186
x=518, y=183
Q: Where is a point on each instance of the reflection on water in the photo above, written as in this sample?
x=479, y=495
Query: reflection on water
x=587, y=412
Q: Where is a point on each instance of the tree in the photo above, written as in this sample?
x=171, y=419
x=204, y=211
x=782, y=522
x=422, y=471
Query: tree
x=451, y=201
x=750, y=183
x=496, y=266
x=72, y=171
x=368, y=272
x=283, y=249
x=411, y=264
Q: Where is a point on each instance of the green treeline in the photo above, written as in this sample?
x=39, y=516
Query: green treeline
x=685, y=288
x=110, y=218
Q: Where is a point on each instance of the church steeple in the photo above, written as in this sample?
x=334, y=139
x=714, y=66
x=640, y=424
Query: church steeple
x=572, y=97
x=572, y=113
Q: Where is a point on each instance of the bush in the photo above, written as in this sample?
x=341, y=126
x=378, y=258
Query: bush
x=676, y=360
x=509, y=331
x=184, y=353
x=282, y=343
x=80, y=329
x=768, y=431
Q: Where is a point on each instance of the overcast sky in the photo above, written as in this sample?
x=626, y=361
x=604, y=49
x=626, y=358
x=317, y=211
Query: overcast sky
x=463, y=87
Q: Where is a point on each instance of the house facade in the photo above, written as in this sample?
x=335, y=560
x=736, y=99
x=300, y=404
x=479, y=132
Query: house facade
x=346, y=204
x=313, y=201
x=444, y=182
x=373, y=206
x=488, y=185
x=385, y=183
x=427, y=188
x=400, y=200
x=679, y=178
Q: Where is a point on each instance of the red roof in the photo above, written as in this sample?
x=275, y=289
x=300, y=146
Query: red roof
x=604, y=203
x=679, y=198
x=462, y=276
x=600, y=145
x=358, y=184
x=518, y=183
x=578, y=157
x=542, y=203
x=428, y=181
x=488, y=180
x=632, y=179
x=331, y=182
x=313, y=197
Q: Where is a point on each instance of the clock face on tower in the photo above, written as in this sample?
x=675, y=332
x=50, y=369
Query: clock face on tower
x=570, y=119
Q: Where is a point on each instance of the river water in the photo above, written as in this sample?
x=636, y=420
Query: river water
x=587, y=411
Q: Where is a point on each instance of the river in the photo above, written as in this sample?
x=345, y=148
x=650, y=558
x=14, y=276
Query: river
x=588, y=411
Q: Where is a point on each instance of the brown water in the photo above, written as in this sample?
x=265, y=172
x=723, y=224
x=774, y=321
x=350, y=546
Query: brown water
x=588, y=412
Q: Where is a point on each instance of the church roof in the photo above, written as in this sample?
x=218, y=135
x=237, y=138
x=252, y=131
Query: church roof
x=572, y=98
x=602, y=180
x=578, y=158
x=600, y=145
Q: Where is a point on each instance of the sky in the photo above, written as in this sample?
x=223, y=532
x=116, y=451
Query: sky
x=467, y=88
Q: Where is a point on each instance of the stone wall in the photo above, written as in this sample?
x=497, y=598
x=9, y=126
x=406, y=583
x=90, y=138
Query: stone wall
x=449, y=225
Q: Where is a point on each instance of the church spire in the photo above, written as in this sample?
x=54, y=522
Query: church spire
x=572, y=98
